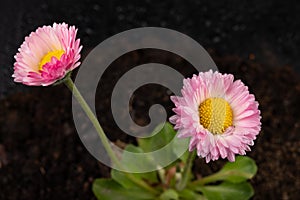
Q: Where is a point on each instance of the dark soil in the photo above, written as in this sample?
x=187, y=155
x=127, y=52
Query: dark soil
x=41, y=155
x=43, y=158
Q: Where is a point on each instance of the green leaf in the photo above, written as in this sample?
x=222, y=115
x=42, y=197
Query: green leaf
x=185, y=156
x=122, y=179
x=236, y=172
x=169, y=195
x=129, y=160
x=228, y=191
x=242, y=169
x=130, y=163
x=187, y=194
x=163, y=138
x=158, y=140
x=133, y=148
x=108, y=189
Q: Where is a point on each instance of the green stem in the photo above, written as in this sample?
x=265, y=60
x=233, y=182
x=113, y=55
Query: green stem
x=70, y=84
x=208, y=179
x=186, y=171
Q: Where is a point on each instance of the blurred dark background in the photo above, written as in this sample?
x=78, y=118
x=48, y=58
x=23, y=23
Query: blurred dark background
x=258, y=41
x=267, y=29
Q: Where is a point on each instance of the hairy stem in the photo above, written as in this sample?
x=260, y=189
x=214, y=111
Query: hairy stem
x=186, y=171
x=70, y=84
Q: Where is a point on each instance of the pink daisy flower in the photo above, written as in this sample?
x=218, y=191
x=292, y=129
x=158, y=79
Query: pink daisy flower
x=218, y=114
x=47, y=55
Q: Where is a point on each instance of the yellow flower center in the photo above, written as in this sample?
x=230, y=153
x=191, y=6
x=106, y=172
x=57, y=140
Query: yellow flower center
x=47, y=58
x=215, y=115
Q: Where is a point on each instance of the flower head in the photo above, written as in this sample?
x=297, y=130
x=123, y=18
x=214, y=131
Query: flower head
x=47, y=55
x=218, y=114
